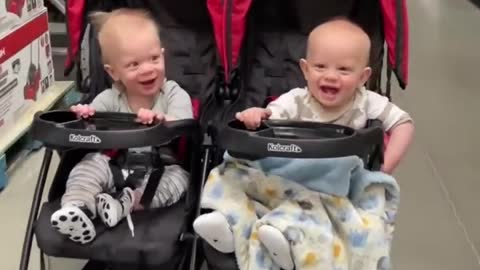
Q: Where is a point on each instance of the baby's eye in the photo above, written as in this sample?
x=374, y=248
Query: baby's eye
x=155, y=57
x=320, y=66
x=132, y=64
x=345, y=69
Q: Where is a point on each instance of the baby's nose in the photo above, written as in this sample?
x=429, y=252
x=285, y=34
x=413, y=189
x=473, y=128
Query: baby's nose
x=331, y=75
x=146, y=69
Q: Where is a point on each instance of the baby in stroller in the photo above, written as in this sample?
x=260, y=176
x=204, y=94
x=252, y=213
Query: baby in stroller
x=133, y=56
x=336, y=69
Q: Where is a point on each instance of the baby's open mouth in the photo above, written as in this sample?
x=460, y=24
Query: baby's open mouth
x=148, y=82
x=329, y=90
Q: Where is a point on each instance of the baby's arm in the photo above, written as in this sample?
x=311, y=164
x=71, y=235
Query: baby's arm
x=147, y=116
x=284, y=107
x=400, y=139
x=174, y=104
x=83, y=110
x=252, y=117
x=397, y=123
x=103, y=102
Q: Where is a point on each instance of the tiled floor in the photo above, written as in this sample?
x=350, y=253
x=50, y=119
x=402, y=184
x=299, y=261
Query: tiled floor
x=439, y=225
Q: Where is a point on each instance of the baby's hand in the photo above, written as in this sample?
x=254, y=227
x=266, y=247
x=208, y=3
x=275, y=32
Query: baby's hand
x=147, y=117
x=253, y=117
x=83, y=110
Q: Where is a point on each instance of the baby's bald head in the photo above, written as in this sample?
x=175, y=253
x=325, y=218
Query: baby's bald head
x=342, y=32
x=336, y=65
x=119, y=26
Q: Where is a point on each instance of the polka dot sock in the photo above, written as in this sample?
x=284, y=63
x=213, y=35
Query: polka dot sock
x=71, y=221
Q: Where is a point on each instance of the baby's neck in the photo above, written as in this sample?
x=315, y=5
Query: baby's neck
x=137, y=102
x=338, y=110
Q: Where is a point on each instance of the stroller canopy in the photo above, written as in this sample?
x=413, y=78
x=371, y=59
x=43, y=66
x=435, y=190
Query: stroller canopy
x=229, y=21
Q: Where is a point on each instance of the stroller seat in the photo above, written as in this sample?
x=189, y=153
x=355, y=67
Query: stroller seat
x=160, y=235
x=157, y=233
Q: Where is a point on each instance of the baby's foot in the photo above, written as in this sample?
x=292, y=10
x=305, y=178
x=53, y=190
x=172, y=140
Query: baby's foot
x=276, y=245
x=214, y=229
x=111, y=210
x=73, y=222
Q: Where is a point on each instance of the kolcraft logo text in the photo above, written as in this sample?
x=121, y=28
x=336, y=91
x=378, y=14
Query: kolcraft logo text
x=276, y=147
x=77, y=138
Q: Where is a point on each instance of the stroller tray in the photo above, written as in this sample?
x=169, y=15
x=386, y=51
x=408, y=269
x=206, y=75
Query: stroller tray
x=105, y=130
x=298, y=139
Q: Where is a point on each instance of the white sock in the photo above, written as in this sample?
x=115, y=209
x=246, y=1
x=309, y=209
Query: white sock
x=111, y=210
x=277, y=246
x=214, y=228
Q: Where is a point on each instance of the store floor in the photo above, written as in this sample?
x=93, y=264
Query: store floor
x=439, y=221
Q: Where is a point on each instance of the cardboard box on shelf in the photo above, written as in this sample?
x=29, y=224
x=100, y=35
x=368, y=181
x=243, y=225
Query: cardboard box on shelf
x=15, y=12
x=26, y=68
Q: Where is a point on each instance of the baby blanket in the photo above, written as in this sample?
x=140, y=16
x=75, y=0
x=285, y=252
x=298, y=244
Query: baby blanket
x=316, y=213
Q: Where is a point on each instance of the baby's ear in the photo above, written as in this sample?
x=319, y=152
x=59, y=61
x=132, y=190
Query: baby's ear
x=111, y=71
x=304, y=67
x=367, y=72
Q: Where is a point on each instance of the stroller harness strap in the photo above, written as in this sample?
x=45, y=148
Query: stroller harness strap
x=151, y=188
x=141, y=167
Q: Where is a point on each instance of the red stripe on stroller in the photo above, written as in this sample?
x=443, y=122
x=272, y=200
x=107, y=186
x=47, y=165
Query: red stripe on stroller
x=75, y=11
x=395, y=21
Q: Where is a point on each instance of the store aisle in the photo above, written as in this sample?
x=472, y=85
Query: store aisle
x=15, y=202
x=439, y=225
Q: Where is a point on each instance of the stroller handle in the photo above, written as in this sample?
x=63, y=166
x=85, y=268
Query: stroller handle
x=106, y=130
x=298, y=139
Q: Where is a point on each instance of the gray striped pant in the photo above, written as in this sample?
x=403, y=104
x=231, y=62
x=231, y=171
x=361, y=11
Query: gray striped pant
x=92, y=175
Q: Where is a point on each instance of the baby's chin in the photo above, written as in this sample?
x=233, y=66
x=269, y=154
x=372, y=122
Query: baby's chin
x=329, y=101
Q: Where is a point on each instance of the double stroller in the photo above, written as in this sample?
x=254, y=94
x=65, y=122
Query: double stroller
x=228, y=55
